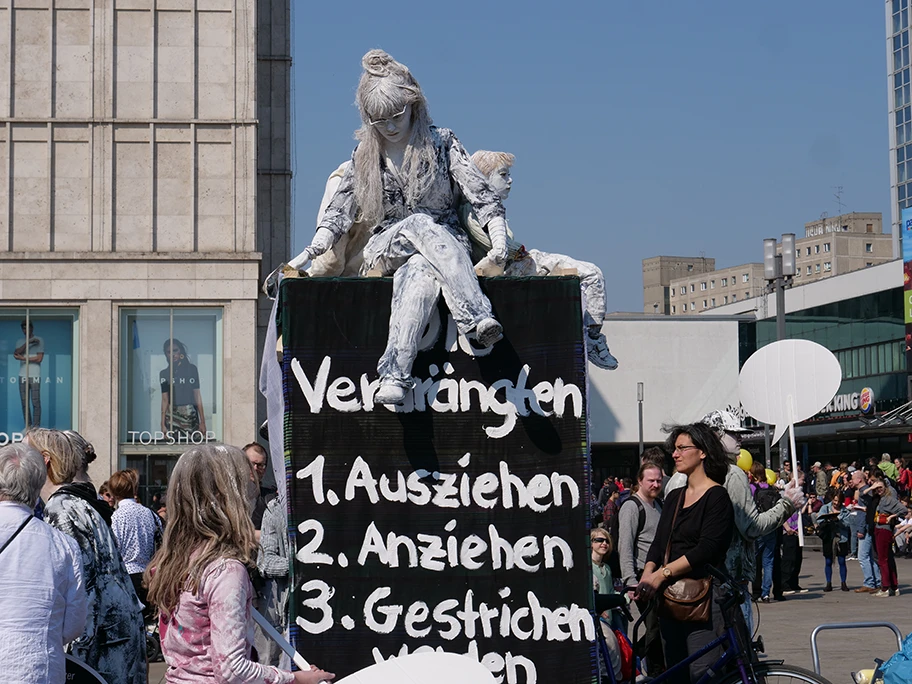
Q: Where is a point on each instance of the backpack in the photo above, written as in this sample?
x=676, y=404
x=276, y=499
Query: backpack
x=641, y=519
x=766, y=498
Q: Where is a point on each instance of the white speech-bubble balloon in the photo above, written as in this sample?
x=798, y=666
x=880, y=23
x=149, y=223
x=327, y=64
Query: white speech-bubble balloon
x=799, y=373
x=423, y=668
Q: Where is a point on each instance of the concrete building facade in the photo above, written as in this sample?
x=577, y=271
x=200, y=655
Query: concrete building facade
x=899, y=114
x=697, y=293
x=829, y=246
x=658, y=272
x=130, y=239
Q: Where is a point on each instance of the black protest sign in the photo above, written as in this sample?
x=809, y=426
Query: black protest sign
x=458, y=520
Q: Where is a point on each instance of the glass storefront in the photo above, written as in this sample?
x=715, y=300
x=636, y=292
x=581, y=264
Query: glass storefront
x=170, y=388
x=38, y=370
x=170, y=376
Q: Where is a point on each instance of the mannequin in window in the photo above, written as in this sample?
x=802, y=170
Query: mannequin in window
x=30, y=353
x=404, y=182
x=496, y=167
x=182, y=404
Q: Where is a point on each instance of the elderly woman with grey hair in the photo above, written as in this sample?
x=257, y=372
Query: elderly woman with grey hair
x=42, y=593
x=113, y=641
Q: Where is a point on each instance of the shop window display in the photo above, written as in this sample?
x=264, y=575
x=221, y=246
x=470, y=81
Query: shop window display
x=171, y=376
x=38, y=383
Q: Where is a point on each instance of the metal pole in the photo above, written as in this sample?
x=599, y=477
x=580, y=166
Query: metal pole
x=780, y=332
x=640, y=412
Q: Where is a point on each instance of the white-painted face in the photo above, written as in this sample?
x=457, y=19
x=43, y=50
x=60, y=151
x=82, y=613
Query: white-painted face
x=731, y=443
x=396, y=128
x=501, y=181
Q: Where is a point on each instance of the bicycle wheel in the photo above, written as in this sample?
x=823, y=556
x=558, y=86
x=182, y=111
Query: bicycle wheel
x=773, y=673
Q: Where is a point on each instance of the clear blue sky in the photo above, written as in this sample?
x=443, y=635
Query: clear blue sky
x=639, y=128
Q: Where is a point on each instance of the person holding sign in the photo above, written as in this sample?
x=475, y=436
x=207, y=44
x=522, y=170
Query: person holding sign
x=405, y=182
x=750, y=522
x=694, y=531
x=199, y=577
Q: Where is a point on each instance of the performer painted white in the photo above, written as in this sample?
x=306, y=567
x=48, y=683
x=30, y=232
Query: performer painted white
x=404, y=181
x=496, y=166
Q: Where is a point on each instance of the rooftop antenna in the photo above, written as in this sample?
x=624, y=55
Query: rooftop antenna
x=838, y=196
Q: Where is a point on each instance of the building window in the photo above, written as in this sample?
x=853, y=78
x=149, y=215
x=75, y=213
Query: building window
x=826, y=246
x=828, y=266
x=725, y=299
x=745, y=277
x=673, y=309
x=704, y=303
x=38, y=370
x=747, y=295
x=712, y=302
x=712, y=284
x=693, y=306
x=809, y=270
x=816, y=249
x=724, y=282
x=170, y=376
x=684, y=289
x=807, y=251
x=869, y=247
x=691, y=287
x=702, y=286
x=870, y=263
x=734, y=297
x=816, y=268
x=869, y=227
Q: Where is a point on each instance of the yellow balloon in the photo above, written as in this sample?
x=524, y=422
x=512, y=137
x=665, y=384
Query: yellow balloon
x=745, y=460
x=771, y=477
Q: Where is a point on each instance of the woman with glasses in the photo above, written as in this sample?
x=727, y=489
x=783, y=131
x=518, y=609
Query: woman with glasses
x=694, y=532
x=405, y=182
x=113, y=642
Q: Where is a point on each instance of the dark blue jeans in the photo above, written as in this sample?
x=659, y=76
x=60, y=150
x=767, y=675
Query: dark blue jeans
x=766, y=551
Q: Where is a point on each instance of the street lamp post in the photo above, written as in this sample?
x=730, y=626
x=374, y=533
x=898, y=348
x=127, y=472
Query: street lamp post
x=778, y=270
x=640, y=412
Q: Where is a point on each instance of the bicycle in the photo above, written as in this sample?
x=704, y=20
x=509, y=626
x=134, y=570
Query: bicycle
x=738, y=664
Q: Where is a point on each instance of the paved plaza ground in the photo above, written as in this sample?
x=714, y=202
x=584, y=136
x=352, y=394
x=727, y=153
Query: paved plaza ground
x=786, y=627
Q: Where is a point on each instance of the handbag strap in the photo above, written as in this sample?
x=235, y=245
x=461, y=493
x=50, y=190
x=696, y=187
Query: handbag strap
x=673, y=520
x=16, y=533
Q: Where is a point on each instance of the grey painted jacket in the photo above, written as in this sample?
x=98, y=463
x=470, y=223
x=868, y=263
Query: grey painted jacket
x=750, y=523
x=455, y=176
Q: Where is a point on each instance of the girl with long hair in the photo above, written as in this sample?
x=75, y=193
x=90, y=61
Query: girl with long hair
x=198, y=578
x=405, y=182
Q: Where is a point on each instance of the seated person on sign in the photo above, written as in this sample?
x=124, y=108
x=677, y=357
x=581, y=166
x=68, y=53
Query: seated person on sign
x=199, y=578
x=404, y=181
x=496, y=167
x=694, y=532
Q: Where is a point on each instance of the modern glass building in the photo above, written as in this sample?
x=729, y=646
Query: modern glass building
x=866, y=333
x=900, y=107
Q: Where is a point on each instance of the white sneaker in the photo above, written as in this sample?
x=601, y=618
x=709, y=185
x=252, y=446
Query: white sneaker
x=487, y=332
x=599, y=355
x=389, y=393
x=881, y=593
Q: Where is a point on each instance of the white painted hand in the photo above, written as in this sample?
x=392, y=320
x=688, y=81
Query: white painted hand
x=794, y=494
x=300, y=261
x=497, y=231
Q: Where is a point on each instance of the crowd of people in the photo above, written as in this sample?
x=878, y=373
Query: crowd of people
x=83, y=572
x=710, y=512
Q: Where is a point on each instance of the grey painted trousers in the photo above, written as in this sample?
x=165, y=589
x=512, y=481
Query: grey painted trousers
x=425, y=259
x=592, y=282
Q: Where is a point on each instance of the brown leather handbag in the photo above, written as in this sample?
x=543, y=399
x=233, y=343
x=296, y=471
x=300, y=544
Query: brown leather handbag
x=687, y=599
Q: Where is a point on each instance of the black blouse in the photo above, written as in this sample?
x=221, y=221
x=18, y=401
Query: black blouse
x=702, y=531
